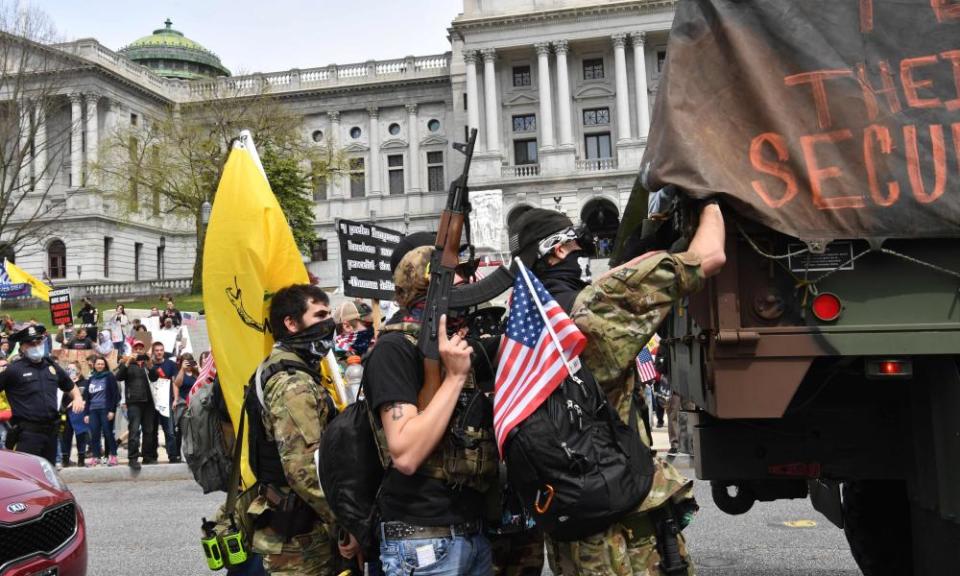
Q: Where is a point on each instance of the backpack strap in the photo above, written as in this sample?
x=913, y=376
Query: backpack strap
x=233, y=488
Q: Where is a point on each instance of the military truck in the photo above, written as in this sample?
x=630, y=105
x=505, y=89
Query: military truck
x=823, y=359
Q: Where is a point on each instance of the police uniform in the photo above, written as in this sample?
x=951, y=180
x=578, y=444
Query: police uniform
x=31, y=389
x=285, y=435
x=618, y=314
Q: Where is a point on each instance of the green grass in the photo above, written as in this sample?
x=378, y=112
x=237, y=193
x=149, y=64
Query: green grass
x=185, y=303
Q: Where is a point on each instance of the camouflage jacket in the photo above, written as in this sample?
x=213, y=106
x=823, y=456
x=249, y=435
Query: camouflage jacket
x=619, y=313
x=296, y=412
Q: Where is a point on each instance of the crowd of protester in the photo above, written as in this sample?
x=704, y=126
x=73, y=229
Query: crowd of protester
x=116, y=363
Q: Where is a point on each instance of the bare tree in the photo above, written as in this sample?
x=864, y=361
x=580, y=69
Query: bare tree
x=34, y=76
x=178, y=159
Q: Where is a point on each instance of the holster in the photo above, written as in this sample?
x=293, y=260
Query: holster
x=668, y=543
x=289, y=515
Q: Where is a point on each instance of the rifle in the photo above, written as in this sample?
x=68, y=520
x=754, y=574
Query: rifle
x=441, y=295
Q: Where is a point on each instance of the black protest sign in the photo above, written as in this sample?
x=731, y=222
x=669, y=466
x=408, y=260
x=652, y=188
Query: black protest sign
x=61, y=312
x=821, y=119
x=365, y=252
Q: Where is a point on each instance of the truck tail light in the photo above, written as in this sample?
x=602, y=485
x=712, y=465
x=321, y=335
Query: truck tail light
x=889, y=368
x=826, y=307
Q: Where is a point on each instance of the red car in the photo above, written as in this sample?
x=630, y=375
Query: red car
x=42, y=532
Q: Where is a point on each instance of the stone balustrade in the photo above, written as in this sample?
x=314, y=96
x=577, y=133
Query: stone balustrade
x=596, y=165
x=274, y=82
x=521, y=171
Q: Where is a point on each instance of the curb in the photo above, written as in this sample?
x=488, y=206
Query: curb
x=122, y=472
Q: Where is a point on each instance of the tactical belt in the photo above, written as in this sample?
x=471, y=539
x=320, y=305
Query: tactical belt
x=404, y=531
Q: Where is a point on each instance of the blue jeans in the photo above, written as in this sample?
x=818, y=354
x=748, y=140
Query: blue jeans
x=460, y=556
x=100, y=424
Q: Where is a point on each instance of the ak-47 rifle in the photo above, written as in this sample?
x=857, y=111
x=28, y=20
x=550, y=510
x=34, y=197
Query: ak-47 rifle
x=441, y=294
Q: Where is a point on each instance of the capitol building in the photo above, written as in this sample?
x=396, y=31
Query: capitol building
x=560, y=90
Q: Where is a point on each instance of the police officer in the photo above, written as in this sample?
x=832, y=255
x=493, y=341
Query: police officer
x=618, y=313
x=31, y=384
x=287, y=412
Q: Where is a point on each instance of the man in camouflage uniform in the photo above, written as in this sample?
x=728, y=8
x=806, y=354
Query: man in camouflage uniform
x=618, y=313
x=293, y=408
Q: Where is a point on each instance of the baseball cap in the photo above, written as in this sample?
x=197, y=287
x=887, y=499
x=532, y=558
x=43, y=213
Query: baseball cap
x=534, y=225
x=346, y=312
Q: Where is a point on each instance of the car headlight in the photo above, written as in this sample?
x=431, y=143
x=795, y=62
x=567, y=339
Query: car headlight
x=51, y=475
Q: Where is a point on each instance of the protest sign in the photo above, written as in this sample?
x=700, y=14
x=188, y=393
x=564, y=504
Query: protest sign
x=160, y=390
x=61, y=311
x=365, y=252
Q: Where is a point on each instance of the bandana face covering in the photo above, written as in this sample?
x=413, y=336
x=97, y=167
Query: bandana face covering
x=313, y=343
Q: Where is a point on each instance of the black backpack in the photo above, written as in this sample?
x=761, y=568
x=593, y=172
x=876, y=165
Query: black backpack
x=351, y=473
x=574, y=463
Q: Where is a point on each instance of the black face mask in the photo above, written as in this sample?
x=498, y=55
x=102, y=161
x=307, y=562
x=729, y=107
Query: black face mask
x=313, y=343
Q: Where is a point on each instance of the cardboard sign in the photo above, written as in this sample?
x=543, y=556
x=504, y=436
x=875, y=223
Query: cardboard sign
x=365, y=252
x=61, y=311
x=821, y=119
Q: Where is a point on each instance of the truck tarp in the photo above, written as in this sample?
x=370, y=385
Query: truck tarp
x=822, y=119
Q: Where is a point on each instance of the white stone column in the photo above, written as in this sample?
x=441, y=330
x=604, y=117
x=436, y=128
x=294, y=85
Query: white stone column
x=93, y=138
x=563, y=94
x=374, y=140
x=23, y=158
x=414, y=147
x=40, y=147
x=334, y=180
x=490, y=99
x=640, y=83
x=545, y=121
x=76, y=140
x=623, y=96
x=473, y=94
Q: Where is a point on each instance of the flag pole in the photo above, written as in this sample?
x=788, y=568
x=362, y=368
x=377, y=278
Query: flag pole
x=571, y=367
x=246, y=140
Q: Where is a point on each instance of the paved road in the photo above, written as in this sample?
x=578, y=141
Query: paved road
x=150, y=528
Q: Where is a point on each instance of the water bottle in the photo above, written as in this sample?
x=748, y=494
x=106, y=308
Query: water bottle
x=353, y=375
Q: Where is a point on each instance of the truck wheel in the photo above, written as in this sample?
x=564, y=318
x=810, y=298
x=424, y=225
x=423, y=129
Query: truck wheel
x=732, y=498
x=876, y=521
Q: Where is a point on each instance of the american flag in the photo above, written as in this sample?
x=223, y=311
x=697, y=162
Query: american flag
x=645, y=365
x=530, y=366
x=207, y=373
x=345, y=341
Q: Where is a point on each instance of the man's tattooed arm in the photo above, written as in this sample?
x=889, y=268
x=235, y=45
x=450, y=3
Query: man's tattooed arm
x=395, y=409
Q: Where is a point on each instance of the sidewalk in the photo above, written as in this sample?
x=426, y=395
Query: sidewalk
x=163, y=470
x=166, y=471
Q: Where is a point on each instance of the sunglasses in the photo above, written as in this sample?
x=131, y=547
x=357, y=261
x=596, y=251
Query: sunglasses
x=552, y=241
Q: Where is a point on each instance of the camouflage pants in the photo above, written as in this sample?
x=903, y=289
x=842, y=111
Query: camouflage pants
x=615, y=552
x=517, y=554
x=309, y=554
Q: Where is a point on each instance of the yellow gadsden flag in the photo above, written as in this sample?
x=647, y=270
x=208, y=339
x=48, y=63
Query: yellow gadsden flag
x=18, y=275
x=249, y=254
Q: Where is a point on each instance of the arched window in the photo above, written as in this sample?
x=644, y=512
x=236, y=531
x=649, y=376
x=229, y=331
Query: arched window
x=57, y=259
x=7, y=253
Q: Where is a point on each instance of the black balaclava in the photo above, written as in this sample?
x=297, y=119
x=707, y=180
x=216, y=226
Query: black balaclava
x=562, y=280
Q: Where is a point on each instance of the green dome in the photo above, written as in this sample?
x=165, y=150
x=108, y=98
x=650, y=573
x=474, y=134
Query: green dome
x=171, y=54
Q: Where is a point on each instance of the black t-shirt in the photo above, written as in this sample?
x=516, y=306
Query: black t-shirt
x=394, y=373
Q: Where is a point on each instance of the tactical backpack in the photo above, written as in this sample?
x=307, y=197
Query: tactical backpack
x=351, y=473
x=204, y=445
x=574, y=463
